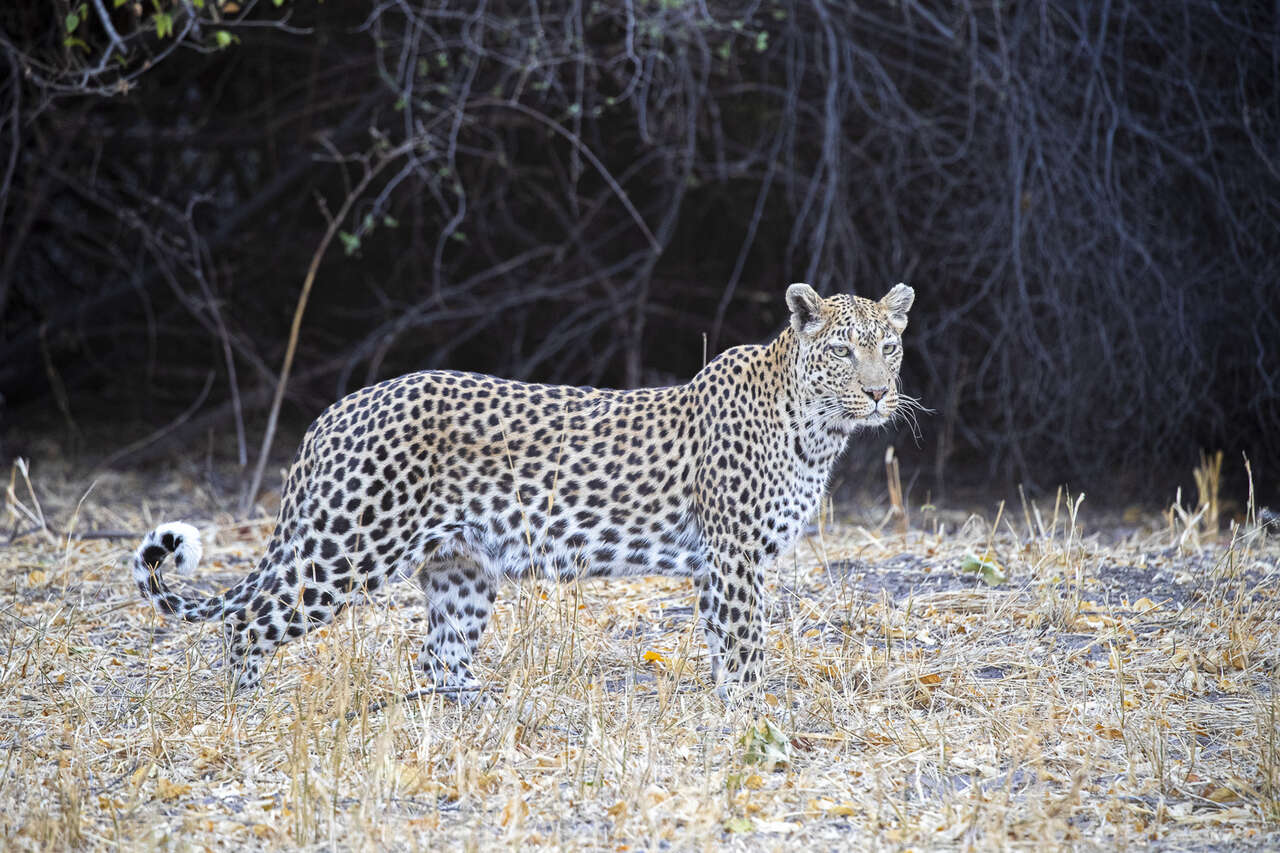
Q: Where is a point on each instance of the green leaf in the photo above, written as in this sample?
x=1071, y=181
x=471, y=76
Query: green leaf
x=762, y=41
x=224, y=39
x=766, y=745
x=739, y=824
x=350, y=242
x=72, y=21
x=164, y=24
x=390, y=221
x=987, y=569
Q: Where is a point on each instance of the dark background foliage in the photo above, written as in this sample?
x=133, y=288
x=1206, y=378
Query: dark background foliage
x=1085, y=196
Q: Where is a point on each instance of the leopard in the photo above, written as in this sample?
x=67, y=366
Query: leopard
x=464, y=482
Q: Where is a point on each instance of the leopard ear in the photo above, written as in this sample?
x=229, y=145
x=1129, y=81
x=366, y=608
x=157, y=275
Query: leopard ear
x=897, y=303
x=806, y=309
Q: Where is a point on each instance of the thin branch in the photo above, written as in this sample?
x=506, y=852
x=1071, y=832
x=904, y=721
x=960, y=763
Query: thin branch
x=335, y=223
x=168, y=428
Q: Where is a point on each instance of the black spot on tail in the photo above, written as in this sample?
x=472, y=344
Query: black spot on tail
x=153, y=555
x=170, y=542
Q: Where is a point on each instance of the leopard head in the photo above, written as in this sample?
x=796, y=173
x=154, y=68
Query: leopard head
x=849, y=351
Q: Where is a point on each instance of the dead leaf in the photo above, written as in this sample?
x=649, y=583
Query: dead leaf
x=514, y=812
x=1109, y=732
x=140, y=775
x=1223, y=795
x=167, y=789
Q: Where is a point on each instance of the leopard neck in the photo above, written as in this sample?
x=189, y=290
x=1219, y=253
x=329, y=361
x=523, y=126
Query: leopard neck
x=816, y=443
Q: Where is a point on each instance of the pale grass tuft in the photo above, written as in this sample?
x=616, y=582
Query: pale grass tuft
x=897, y=505
x=1208, y=477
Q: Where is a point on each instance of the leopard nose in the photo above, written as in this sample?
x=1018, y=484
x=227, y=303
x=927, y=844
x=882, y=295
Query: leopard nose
x=877, y=392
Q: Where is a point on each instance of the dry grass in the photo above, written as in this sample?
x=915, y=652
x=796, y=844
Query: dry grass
x=908, y=704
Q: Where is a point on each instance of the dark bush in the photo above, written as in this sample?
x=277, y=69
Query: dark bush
x=1085, y=196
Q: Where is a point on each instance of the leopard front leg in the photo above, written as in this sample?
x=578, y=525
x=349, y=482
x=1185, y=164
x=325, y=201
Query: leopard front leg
x=733, y=624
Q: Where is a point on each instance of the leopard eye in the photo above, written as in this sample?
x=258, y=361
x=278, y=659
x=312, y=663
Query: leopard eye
x=890, y=347
x=841, y=351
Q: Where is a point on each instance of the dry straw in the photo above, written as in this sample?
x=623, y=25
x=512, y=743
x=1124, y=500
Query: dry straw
x=1119, y=688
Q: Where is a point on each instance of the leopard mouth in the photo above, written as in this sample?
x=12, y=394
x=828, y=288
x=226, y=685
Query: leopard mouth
x=852, y=422
x=875, y=417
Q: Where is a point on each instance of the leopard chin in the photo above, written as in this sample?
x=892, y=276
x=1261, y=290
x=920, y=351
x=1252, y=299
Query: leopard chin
x=852, y=422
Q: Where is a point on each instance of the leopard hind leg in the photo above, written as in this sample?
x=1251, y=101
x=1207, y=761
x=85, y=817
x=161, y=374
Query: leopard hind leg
x=460, y=596
x=297, y=587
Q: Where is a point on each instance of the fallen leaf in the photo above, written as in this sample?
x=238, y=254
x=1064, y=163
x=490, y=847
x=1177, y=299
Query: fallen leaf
x=1110, y=732
x=514, y=812
x=410, y=780
x=987, y=569
x=871, y=737
x=1236, y=656
x=139, y=776
x=167, y=789
x=828, y=670
x=1223, y=795
x=766, y=745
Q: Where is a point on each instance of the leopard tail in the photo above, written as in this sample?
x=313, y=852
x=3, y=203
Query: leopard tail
x=183, y=541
